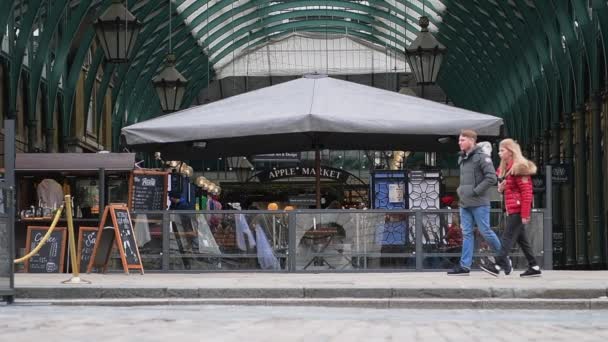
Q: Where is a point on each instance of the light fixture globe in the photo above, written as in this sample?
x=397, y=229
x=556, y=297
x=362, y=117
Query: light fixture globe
x=116, y=31
x=201, y=181
x=170, y=86
x=425, y=54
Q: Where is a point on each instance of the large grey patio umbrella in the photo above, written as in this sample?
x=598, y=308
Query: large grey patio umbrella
x=310, y=113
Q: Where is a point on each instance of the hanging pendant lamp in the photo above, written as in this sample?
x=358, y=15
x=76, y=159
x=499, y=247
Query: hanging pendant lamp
x=425, y=54
x=116, y=31
x=170, y=84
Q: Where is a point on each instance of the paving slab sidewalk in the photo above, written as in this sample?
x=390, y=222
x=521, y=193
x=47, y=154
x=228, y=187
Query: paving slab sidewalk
x=407, y=285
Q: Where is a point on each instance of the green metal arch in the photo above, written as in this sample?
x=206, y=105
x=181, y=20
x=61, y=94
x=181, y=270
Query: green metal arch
x=72, y=80
x=26, y=30
x=196, y=6
x=561, y=63
x=148, y=42
x=514, y=67
x=101, y=93
x=143, y=78
x=264, y=30
x=59, y=67
x=506, y=81
x=148, y=30
x=341, y=14
x=300, y=26
x=534, y=56
x=460, y=49
x=491, y=63
x=151, y=59
x=369, y=17
x=89, y=84
x=225, y=17
x=50, y=26
x=6, y=10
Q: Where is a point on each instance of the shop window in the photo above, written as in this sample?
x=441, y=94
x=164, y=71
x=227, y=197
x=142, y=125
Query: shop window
x=118, y=190
x=91, y=122
x=86, y=197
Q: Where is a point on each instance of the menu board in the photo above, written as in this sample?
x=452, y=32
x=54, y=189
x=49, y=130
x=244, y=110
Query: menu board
x=86, y=242
x=121, y=232
x=148, y=190
x=51, y=256
x=127, y=236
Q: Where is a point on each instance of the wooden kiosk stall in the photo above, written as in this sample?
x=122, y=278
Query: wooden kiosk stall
x=93, y=179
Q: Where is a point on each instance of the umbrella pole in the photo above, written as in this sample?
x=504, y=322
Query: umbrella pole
x=318, y=176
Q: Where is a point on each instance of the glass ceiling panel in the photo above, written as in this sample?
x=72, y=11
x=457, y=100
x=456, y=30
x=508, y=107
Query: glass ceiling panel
x=222, y=27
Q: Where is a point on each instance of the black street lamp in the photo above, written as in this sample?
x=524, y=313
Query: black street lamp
x=170, y=86
x=117, y=30
x=425, y=54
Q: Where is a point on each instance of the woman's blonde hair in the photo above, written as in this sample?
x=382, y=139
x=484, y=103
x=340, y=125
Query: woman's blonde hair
x=521, y=165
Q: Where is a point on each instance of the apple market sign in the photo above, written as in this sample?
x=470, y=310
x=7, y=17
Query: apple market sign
x=303, y=171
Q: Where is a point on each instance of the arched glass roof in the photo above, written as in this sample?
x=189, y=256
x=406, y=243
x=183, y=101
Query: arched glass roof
x=225, y=28
x=514, y=58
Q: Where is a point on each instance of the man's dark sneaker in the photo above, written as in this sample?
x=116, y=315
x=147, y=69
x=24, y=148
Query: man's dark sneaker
x=509, y=267
x=533, y=271
x=491, y=269
x=459, y=271
x=489, y=261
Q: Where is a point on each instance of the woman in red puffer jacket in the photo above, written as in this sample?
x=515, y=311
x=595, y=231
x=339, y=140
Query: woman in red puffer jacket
x=515, y=182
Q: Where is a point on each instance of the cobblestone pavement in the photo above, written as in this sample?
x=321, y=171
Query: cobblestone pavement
x=238, y=323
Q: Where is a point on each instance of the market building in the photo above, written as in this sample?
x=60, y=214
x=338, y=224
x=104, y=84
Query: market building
x=75, y=75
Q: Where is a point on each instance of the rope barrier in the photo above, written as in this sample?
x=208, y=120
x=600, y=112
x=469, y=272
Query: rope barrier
x=72, y=242
x=44, y=238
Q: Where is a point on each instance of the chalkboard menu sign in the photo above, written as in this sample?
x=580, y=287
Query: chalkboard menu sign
x=126, y=236
x=86, y=243
x=120, y=231
x=50, y=257
x=148, y=190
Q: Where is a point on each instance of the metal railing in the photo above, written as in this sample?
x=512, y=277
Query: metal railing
x=313, y=240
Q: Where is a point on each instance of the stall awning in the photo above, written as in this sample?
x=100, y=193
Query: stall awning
x=307, y=113
x=74, y=161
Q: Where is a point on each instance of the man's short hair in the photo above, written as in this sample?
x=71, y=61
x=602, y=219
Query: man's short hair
x=469, y=133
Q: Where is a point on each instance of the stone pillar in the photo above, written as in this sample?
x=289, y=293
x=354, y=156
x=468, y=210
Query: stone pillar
x=558, y=229
x=31, y=135
x=580, y=187
x=596, y=227
x=538, y=160
x=50, y=140
x=546, y=160
x=567, y=191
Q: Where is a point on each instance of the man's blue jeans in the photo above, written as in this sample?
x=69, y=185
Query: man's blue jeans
x=468, y=218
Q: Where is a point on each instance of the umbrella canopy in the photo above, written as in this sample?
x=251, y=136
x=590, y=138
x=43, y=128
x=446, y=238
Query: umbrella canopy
x=314, y=112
